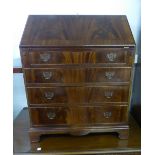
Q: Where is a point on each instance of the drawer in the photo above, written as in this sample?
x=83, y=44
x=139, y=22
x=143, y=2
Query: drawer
x=49, y=116
x=77, y=75
x=78, y=95
x=49, y=57
x=78, y=115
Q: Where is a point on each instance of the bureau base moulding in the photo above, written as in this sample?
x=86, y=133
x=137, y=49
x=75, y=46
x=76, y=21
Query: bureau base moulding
x=35, y=133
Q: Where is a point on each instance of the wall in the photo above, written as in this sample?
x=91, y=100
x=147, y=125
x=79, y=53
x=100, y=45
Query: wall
x=131, y=8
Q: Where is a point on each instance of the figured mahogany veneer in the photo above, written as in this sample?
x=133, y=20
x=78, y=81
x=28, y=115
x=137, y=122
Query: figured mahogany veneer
x=78, y=74
x=78, y=95
x=51, y=57
x=78, y=115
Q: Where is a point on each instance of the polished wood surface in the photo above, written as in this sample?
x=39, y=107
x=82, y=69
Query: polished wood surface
x=80, y=77
x=76, y=30
x=77, y=75
x=78, y=115
x=99, y=143
x=46, y=57
x=78, y=95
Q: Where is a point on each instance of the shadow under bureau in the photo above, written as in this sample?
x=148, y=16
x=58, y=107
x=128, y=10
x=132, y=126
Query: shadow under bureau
x=78, y=72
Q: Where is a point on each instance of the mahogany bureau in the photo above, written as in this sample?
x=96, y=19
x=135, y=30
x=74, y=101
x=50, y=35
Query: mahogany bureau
x=78, y=73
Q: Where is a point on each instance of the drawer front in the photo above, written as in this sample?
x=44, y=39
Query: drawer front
x=49, y=116
x=78, y=95
x=47, y=58
x=77, y=75
x=78, y=115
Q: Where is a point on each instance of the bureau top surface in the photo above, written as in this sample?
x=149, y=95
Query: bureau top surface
x=77, y=30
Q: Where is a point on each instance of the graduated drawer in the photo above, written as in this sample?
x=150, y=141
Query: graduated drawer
x=79, y=115
x=78, y=95
x=50, y=57
x=77, y=75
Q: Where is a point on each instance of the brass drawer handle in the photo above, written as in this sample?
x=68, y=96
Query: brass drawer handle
x=108, y=94
x=111, y=56
x=107, y=114
x=49, y=95
x=47, y=75
x=109, y=75
x=51, y=115
x=45, y=57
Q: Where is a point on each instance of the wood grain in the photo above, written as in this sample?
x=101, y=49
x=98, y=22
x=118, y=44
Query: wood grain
x=76, y=30
x=49, y=57
x=79, y=115
x=101, y=143
x=78, y=74
x=78, y=95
